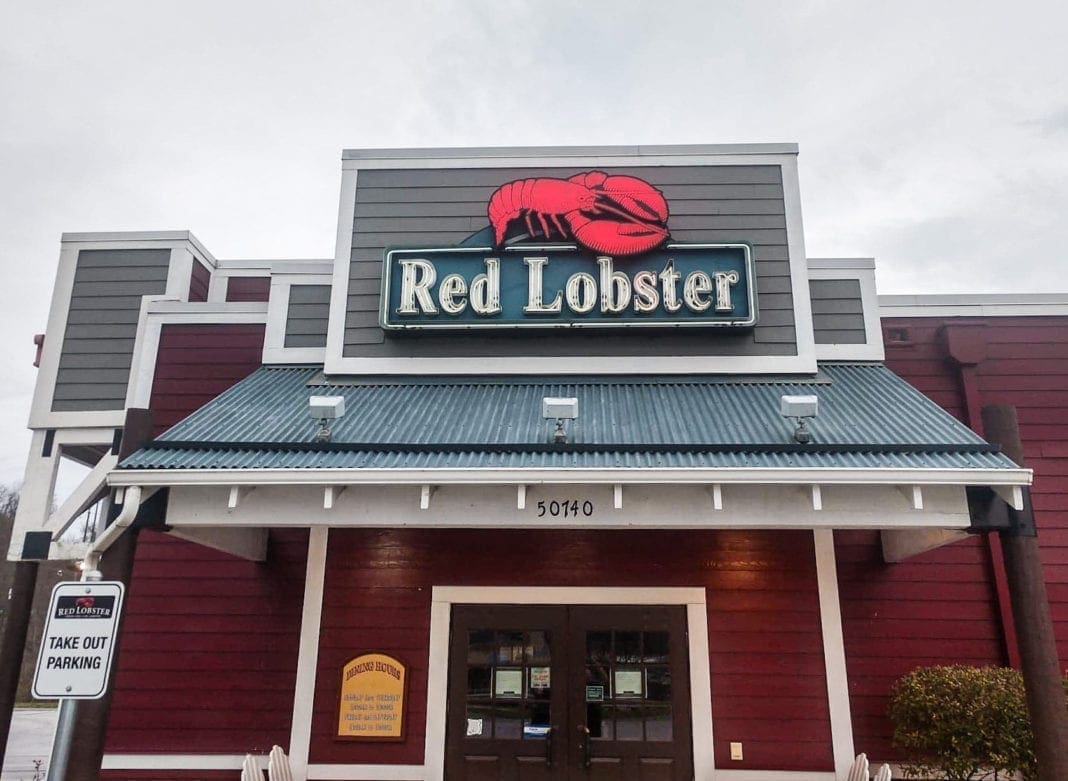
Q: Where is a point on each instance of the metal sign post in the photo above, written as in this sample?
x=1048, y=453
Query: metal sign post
x=76, y=654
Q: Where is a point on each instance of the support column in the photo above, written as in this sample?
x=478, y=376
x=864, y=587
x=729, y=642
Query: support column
x=834, y=653
x=13, y=643
x=308, y=655
x=1030, y=607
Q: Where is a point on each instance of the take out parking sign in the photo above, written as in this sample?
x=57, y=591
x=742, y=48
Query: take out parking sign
x=79, y=641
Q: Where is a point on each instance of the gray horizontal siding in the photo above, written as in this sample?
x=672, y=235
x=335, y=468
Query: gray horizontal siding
x=480, y=195
x=679, y=208
x=307, y=316
x=442, y=207
x=94, y=362
x=837, y=311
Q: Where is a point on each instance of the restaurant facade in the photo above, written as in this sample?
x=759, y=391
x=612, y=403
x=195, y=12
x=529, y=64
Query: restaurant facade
x=570, y=464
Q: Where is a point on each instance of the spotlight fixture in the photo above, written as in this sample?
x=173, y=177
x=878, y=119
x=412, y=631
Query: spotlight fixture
x=801, y=409
x=325, y=409
x=560, y=409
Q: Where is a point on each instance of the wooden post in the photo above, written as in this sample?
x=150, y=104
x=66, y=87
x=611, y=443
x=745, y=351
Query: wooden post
x=13, y=643
x=1030, y=608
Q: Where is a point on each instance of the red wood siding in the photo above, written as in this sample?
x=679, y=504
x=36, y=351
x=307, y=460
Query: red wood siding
x=937, y=608
x=199, y=280
x=248, y=288
x=768, y=681
x=208, y=656
x=195, y=363
x=941, y=607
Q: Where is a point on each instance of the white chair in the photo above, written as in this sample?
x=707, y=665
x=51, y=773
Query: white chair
x=883, y=774
x=250, y=769
x=278, y=765
x=859, y=770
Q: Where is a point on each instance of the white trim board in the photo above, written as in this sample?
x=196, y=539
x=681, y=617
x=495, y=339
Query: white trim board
x=526, y=158
x=441, y=615
x=782, y=155
x=323, y=772
x=553, y=475
x=834, y=657
x=38, y=486
x=387, y=158
x=341, y=772
x=665, y=507
x=137, y=239
x=177, y=762
x=976, y=305
x=308, y=653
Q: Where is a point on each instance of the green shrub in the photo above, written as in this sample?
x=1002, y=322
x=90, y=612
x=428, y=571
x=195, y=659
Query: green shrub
x=962, y=723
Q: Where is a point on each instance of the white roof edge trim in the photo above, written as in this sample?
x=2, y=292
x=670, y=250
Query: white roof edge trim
x=431, y=153
x=532, y=476
x=138, y=237
x=129, y=236
x=841, y=263
x=975, y=305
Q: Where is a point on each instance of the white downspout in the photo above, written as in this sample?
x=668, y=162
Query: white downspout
x=131, y=502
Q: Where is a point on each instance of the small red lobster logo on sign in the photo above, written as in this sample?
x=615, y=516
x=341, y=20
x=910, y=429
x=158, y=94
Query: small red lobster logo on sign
x=85, y=602
x=617, y=215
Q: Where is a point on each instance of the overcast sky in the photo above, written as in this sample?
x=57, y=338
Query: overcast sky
x=933, y=136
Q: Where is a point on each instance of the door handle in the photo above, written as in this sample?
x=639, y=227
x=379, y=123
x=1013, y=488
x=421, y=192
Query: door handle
x=584, y=731
x=549, y=747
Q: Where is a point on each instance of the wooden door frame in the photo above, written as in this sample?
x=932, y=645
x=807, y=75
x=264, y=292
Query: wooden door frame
x=444, y=597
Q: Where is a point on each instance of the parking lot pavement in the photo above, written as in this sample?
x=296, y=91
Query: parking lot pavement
x=30, y=739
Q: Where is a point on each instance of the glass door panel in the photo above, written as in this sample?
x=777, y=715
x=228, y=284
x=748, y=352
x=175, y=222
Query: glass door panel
x=568, y=692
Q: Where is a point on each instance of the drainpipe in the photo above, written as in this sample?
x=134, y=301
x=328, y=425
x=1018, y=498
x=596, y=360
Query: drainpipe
x=964, y=344
x=131, y=503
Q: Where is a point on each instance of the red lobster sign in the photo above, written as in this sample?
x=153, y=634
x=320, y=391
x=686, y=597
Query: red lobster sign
x=616, y=215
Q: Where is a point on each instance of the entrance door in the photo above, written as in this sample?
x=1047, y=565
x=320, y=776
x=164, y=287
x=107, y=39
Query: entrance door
x=581, y=693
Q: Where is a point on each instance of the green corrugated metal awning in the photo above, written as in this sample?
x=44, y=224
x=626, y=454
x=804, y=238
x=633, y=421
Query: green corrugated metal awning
x=869, y=419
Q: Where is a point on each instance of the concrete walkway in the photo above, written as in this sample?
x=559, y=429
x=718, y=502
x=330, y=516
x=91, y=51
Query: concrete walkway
x=30, y=739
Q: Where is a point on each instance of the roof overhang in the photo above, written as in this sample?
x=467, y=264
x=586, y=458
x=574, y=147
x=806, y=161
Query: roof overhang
x=571, y=476
x=655, y=452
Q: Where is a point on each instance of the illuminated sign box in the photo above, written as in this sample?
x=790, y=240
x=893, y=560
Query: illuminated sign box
x=557, y=286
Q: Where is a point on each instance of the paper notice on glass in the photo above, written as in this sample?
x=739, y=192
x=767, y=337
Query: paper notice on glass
x=474, y=727
x=628, y=683
x=508, y=682
x=539, y=677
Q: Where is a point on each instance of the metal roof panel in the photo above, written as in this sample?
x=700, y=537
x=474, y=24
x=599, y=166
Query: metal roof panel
x=869, y=418
x=859, y=404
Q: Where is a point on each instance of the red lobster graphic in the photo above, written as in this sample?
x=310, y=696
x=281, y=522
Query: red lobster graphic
x=617, y=215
